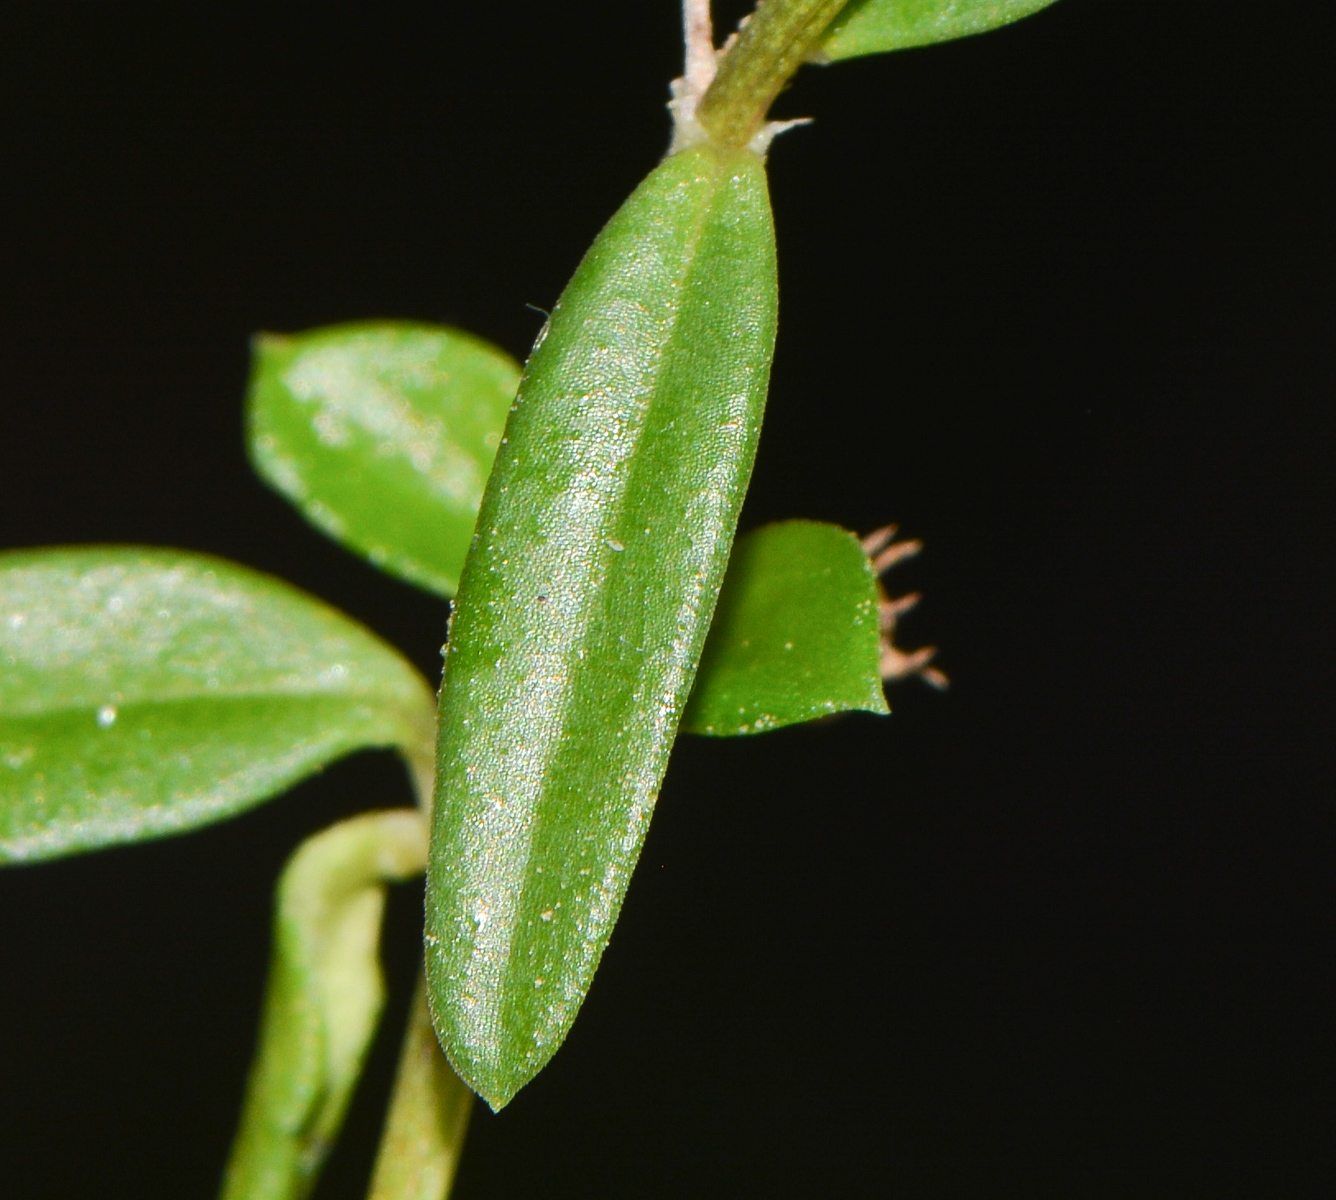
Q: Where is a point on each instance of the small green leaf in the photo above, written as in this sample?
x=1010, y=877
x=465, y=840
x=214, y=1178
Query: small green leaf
x=875, y=26
x=383, y=435
x=323, y=1000
x=146, y=692
x=795, y=634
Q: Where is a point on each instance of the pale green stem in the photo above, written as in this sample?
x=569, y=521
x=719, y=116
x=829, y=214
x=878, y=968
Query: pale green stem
x=421, y=764
x=430, y=1107
x=322, y=1002
x=780, y=36
x=428, y=1118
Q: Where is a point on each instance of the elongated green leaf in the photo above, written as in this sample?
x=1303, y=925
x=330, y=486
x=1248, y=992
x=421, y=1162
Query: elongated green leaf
x=875, y=26
x=146, y=692
x=383, y=435
x=585, y=601
x=795, y=635
x=323, y=1000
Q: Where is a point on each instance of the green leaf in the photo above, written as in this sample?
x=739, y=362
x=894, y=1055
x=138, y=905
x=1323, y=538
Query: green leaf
x=585, y=602
x=147, y=692
x=794, y=636
x=322, y=1002
x=383, y=435
x=875, y=26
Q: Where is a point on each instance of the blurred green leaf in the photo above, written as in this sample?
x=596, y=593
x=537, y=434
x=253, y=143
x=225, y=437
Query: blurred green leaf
x=323, y=1000
x=875, y=26
x=794, y=636
x=383, y=435
x=146, y=692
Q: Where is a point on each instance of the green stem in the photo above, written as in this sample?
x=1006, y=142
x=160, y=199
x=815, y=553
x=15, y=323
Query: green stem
x=428, y=1118
x=778, y=39
x=322, y=1002
x=430, y=1106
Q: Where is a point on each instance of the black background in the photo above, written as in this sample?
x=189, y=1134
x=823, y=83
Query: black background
x=1059, y=300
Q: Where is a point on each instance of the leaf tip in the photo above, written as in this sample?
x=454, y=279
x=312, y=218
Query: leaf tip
x=497, y=1100
x=494, y=1081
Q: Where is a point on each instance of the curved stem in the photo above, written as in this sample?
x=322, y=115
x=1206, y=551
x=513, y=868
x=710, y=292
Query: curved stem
x=322, y=1001
x=774, y=43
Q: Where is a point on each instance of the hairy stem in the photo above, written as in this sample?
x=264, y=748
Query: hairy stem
x=774, y=43
x=698, y=32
